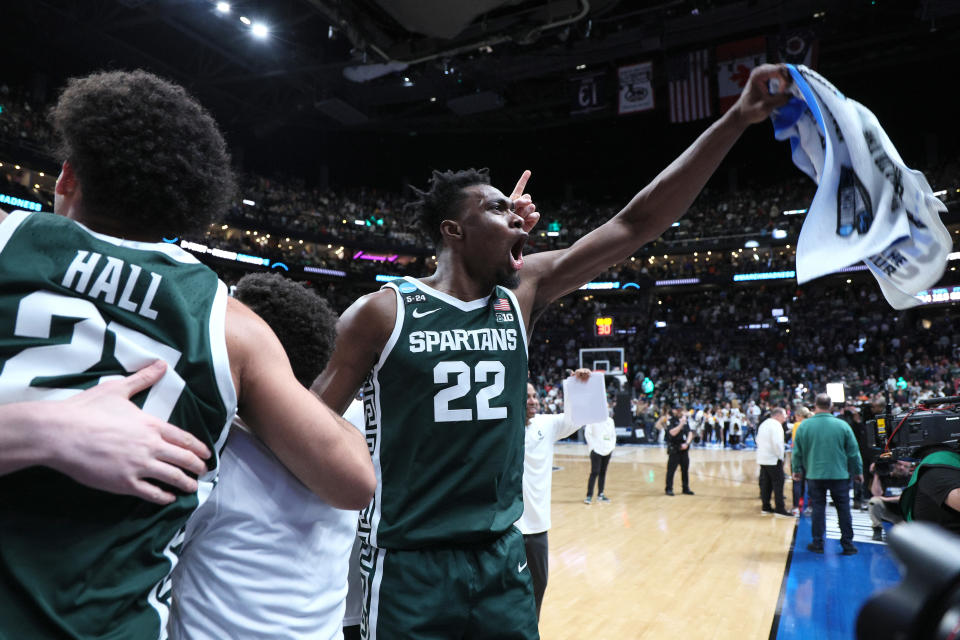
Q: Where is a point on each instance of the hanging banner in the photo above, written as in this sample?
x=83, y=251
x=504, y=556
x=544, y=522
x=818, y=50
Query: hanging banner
x=735, y=60
x=799, y=46
x=589, y=93
x=636, y=88
x=688, y=82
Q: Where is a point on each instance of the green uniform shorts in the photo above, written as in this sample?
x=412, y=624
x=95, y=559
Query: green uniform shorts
x=468, y=593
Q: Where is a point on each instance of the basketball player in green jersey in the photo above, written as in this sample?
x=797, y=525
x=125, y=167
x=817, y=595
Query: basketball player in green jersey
x=88, y=296
x=442, y=364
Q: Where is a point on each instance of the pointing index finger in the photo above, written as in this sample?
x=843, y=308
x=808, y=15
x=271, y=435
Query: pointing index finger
x=521, y=185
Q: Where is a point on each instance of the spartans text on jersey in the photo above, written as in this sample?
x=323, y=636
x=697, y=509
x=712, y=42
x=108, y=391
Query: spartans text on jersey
x=464, y=340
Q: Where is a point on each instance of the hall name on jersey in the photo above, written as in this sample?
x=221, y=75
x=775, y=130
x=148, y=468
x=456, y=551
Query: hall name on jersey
x=115, y=282
x=464, y=340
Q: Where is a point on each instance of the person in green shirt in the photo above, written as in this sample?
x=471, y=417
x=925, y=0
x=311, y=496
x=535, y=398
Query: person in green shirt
x=825, y=454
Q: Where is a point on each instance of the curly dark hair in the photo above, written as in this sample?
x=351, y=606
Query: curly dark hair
x=441, y=201
x=145, y=152
x=302, y=320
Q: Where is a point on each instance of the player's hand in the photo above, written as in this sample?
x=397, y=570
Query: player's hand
x=523, y=203
x=798, y=477
x=759, y=98
x=108, y=443
x=684, y=446
x=858, y=477
x=582, y=374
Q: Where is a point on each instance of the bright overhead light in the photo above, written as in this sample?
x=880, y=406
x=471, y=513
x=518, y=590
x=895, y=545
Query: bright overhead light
x=433, y=99
x=245, y=20
x=260, y=30
x=223, y=7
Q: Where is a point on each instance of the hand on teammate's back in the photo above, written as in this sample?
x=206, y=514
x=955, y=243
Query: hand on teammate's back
x=757, y=101
x=106, y=442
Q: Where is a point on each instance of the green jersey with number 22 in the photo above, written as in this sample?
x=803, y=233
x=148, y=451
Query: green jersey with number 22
x=78, y=308
x=445, y=408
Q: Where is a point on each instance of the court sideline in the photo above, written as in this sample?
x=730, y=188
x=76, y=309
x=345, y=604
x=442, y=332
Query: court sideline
x=651, y=566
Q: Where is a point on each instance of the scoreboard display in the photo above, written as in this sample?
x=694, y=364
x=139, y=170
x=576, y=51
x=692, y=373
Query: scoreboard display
x=604, y=326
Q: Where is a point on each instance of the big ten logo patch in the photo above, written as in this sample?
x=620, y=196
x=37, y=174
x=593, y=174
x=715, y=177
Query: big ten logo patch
x=504, y=317
x=415, y=298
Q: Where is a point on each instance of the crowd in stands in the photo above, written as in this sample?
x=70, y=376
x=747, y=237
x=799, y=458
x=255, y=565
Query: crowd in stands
x=23, y=122
x=702, y=356
x=714, y=347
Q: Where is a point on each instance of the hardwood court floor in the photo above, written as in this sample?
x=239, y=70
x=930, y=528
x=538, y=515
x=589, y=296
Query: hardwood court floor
x=651, y=566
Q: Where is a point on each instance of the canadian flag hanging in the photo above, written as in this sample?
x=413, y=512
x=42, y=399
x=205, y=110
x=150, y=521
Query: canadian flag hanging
x=735, y=60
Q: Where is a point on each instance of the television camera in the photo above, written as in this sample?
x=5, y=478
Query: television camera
x=932, y=421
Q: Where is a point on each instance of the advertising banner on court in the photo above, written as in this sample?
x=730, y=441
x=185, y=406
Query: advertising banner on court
x=635, y=88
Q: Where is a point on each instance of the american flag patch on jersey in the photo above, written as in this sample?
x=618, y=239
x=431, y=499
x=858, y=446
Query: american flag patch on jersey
x=502, y=305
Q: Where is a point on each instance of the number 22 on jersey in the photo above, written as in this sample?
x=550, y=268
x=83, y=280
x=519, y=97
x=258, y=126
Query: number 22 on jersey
x=461, y=370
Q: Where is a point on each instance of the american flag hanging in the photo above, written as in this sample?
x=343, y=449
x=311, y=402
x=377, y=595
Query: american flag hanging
x=502, y=305
x=689, y=83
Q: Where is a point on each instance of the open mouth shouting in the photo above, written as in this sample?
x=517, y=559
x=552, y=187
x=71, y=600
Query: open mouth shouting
x=516, y=252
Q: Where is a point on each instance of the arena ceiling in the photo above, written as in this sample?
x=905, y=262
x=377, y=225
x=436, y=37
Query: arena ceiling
x=421, y=65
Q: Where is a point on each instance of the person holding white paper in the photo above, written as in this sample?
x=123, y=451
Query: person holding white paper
x=601, y=438
x=541, y=432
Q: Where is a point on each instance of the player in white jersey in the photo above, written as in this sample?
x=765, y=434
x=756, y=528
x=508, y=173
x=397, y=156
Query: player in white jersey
x=264, y=557
x=541, y=433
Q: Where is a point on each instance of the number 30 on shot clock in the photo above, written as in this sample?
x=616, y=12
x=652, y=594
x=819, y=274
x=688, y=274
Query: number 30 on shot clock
x=604, y=326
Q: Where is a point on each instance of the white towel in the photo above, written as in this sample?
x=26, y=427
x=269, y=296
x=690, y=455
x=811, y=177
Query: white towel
x=869, y=206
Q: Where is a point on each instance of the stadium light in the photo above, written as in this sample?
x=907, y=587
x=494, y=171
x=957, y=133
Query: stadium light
x=750, y=244
x=223, y=7
x=245, y=20
x=779, y=234
x=794, y=212
x=260, y=30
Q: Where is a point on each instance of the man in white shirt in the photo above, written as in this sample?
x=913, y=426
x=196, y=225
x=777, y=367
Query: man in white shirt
x=542, y=431
x=770, y=456
x=601, y=437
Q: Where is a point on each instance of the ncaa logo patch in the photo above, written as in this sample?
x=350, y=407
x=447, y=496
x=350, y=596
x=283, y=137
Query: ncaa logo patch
x=407, y=287
x=504, y=317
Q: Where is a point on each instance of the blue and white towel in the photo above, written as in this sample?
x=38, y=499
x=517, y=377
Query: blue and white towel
x=869, y=206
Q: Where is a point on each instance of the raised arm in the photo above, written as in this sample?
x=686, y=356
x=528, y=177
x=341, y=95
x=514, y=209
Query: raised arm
x=319, y=447
x=551, y=274
x=362, y=333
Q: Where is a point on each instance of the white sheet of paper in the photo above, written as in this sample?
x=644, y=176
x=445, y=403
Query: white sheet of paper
x=585, y=402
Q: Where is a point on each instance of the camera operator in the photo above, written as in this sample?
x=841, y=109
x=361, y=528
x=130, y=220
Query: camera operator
x=888, y=477
x=933, y=494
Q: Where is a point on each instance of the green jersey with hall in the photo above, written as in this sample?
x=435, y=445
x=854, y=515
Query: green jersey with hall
x=78, y=308
x=445, y=409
